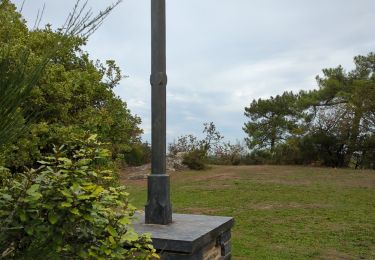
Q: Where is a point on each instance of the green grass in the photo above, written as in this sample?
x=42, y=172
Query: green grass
x=282, y=212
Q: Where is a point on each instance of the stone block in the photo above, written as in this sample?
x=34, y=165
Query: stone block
x=226, y=248
x=190, y=237
x=225, y=237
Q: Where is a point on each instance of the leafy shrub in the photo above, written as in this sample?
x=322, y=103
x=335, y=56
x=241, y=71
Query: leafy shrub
x=189, y=143
x=139, y=154
x=197, y=151
x=258, y=157
x=288, y=153
x=184, y=144
x=228, y=154
x=69, y=208
x=195, y=159
x=49, y=81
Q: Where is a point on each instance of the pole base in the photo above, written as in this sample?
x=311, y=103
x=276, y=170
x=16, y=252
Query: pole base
x=158, y=209
x=190, y=237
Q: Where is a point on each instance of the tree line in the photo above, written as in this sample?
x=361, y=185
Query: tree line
x=333, y=125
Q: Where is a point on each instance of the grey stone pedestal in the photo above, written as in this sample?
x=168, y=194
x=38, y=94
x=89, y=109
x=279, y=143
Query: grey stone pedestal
x=191, y=237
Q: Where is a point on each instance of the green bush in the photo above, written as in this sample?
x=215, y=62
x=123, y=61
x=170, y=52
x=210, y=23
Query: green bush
x=69, y=208
x=139, y=154
x=195, y=159
x=258, y=157
x=49, y=81
x=288, y=153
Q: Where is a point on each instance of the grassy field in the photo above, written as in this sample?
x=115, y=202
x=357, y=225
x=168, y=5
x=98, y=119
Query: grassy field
x=282, y=212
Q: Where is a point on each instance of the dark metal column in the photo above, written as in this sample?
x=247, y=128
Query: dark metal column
x=158, y=209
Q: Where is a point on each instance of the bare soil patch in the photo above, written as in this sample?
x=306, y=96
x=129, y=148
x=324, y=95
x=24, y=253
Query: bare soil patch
x=333, y=255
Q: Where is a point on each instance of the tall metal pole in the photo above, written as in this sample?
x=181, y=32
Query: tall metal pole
x=158, y=209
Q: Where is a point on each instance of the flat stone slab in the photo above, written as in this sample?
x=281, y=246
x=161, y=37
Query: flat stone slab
x=187, y=233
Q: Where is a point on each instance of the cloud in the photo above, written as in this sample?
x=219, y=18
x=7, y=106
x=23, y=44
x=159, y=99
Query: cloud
x=222, y=54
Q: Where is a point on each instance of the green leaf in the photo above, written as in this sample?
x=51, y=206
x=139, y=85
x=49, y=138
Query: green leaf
x=111, y=240
x=92, y=253
x=75, y=211
x=92, y=137
x=65, y=160
x=65, y=204
x=83, y=197
x=66, y=193
x=125, y=221
x=44, y=162
x=104, y=153
x=22, y=216
x=53, y=217
x=88, y=218
x=29, y=230
x=112, y=231
x=130, y=236
x=7, y=196
x=32, y=189
x=84, y=162
x=33, y=195
x=97, y=191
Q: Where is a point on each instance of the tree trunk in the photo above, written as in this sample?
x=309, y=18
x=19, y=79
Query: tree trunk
x=353, y=138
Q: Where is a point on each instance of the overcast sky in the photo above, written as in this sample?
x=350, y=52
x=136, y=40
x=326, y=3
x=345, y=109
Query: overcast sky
x=221, y=54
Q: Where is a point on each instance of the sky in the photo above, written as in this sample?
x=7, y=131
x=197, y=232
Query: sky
x=222, y=54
